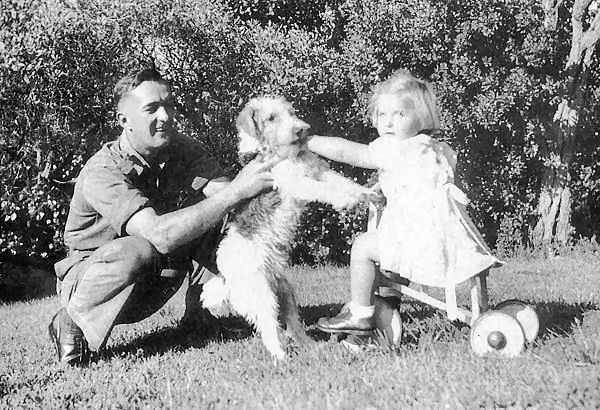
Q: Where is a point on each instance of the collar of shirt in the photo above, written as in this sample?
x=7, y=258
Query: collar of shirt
x=140, y=163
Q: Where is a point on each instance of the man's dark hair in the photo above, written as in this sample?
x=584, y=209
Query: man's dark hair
x=132, y=80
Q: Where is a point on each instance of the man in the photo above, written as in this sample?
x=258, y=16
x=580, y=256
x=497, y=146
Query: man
x=143, y=207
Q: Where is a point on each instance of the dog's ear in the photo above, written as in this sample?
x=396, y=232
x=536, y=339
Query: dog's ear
x=248, y=128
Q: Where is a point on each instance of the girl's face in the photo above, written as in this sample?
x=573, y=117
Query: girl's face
x=396, y=116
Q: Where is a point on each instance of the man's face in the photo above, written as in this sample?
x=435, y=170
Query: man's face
x=146, y=113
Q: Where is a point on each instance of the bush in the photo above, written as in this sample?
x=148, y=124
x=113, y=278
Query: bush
x=53, y=78
x=497, y=74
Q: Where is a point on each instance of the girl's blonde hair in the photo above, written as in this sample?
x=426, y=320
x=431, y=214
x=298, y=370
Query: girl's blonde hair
x=403, y=83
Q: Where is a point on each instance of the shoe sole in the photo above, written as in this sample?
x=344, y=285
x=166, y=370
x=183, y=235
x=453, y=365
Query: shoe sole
x=356, y=332
x=354, y=348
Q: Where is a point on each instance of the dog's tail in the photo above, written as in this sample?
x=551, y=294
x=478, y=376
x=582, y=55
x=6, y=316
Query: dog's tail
x=215, y=297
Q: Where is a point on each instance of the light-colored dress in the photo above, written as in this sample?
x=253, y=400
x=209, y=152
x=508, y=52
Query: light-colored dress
x=425, y=233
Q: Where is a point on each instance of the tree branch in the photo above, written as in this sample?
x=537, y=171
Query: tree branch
x=591, y=36
x=582, y=41
x=551, y=13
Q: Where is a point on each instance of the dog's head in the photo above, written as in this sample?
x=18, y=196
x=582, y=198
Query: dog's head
x=268, y=126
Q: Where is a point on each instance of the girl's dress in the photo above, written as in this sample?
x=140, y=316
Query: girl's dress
x=425, y=233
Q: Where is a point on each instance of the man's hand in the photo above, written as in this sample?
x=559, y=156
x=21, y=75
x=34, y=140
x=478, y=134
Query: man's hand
x=253, y=179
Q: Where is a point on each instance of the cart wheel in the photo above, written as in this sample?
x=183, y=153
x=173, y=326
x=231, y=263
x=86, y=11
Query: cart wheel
x=525, y=314
x=388, y=321
x=497, y=332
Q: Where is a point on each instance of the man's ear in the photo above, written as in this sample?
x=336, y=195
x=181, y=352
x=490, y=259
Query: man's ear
x=121, y=119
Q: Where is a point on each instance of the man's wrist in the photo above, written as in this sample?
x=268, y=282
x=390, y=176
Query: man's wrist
x=229, y=196
x=215, y=186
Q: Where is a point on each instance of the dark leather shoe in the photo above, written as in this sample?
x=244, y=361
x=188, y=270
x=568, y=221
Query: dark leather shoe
x=344, y=322
x=67, y=337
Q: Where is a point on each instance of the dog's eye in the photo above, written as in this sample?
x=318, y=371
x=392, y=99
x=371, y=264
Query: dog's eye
x=271, y=117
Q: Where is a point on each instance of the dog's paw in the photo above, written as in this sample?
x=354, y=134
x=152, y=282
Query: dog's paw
x=215, y=297
x=278, y=355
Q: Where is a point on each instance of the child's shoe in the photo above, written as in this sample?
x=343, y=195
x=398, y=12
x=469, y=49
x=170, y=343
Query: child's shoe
x=346, y=322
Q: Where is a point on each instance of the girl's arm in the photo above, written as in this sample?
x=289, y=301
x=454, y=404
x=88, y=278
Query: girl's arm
x=342, y=150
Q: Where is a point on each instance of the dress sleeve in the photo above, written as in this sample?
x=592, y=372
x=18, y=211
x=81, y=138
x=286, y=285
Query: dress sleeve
x=382, y=152
x=446, y=157
x=450, y=155
x=113, y=196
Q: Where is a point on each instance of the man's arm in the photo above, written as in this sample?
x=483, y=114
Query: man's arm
x=174, y=229
x=342, y=150
x=215, y=185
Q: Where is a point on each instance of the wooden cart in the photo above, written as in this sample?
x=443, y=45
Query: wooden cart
x=503, y=330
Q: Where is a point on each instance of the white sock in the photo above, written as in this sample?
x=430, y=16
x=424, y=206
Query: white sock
x=361, y=311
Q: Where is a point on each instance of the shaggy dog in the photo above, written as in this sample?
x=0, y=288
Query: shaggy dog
x=254, y=252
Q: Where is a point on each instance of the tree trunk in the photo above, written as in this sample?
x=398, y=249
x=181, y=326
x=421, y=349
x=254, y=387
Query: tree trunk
x=554, y=208
x=554, y=205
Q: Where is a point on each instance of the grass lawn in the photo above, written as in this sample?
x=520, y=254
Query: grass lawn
x=157, y=364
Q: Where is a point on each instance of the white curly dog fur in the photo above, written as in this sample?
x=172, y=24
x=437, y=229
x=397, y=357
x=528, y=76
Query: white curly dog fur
x=254, y=252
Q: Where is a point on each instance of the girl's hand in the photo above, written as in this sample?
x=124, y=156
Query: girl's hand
x=312, y=143
x=376, y=197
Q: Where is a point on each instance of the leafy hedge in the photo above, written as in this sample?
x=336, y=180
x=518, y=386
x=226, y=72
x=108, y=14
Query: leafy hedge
x=497, y=73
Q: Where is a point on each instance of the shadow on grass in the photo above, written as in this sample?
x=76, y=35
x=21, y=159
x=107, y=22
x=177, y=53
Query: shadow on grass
x=196, y=335
x=418, y=320
x=182, y=337
x=20, y=284
x=186, y=336
x=558, y=318
x=311, y=314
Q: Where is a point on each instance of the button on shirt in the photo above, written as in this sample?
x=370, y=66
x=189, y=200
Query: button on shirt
x=117, y=182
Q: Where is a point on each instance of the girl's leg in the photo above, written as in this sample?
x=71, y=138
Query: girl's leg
x=363, y=271
x=358, y=317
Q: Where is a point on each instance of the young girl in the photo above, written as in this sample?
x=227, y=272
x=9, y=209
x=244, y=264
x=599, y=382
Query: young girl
x=424, y=233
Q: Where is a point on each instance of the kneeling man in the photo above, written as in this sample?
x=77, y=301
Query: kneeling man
x=143, y=208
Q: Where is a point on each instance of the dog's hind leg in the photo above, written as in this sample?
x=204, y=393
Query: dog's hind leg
x=269, y=332
x=267, y=325
x=289, y=313
x=251, y=287
x=254, y=298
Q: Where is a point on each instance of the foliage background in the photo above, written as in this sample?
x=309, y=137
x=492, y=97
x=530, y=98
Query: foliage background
x=497, y=72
